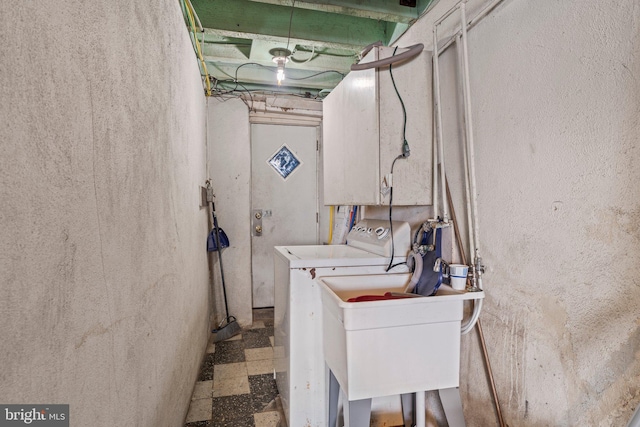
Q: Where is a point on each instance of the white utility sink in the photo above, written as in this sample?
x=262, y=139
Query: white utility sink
x=390, y=347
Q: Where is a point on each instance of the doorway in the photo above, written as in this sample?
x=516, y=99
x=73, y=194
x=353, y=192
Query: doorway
x=284, y=198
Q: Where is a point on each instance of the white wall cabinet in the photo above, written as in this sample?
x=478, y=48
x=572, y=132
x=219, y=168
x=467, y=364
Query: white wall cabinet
x=362, y=134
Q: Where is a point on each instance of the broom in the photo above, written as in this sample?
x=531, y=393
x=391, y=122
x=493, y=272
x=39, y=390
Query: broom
x=229, y=325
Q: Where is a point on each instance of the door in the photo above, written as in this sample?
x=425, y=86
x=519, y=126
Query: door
x=284, y=198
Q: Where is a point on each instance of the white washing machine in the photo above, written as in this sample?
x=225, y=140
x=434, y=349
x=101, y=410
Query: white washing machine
x=298, y=355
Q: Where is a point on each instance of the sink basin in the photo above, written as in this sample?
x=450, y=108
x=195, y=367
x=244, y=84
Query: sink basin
x=389, y=347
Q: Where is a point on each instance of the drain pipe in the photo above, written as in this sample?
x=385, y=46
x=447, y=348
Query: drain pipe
x=483, y=344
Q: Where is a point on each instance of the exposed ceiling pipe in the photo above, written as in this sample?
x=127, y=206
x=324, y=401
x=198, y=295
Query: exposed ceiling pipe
x=299, y=61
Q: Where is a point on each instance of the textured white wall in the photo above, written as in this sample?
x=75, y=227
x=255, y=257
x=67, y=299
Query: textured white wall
x=104, y=286
x=556, y=105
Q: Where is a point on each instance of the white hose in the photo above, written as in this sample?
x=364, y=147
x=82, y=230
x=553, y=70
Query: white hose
x=410, y=53
x=477, y=308
x=417, y=272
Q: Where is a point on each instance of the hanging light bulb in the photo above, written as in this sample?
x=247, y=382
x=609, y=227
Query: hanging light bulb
x=280, y=75
x=280, y=57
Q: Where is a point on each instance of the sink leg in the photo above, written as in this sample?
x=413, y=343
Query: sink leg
x=408, y=406
x=334, y=392
x=421, y=410
x=357, y=413
x=452, y=405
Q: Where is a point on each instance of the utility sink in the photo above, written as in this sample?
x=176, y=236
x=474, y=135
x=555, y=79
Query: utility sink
x=395, y=346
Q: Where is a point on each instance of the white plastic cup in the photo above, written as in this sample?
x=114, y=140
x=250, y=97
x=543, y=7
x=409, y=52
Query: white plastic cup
x=458, y=276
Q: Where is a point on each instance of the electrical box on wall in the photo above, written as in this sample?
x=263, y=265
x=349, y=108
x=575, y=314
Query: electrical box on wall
x=362, y=134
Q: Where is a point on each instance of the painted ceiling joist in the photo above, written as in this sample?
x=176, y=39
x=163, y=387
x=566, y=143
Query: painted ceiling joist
x=381, y=10
x=247, y=19
x=283, y=40
x=322, y=64
x=322, y=36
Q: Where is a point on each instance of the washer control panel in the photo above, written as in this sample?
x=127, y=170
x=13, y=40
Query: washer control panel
x=374, y=235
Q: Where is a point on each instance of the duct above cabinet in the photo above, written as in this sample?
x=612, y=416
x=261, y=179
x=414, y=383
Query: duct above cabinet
x=362, y=134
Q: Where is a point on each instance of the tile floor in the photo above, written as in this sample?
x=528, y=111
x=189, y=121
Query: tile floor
x=236, y=387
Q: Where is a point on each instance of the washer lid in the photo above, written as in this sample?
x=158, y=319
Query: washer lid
x=328, y=256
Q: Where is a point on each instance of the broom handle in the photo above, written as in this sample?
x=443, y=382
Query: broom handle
x=224, y=288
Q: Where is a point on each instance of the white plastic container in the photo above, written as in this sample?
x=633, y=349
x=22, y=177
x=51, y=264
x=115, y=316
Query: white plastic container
x=389, y=347
x=458, y=276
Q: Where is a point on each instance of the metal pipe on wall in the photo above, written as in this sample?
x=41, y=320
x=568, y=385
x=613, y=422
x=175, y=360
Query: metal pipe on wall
x=438, y=124
x=470, y=141
x=483, y=344
x=436, y=101
x=471, y=23
x=465, y=161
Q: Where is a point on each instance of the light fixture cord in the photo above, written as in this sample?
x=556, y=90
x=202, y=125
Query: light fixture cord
x=293, y=6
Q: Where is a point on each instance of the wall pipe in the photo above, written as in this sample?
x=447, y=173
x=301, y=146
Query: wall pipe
x=470, y=144
x=198, y=22
x=471, y=23
x=434, y=139
x=438, y=124
x=446, y=15
x=195, y=15
x=483, y=344
x=465, y=161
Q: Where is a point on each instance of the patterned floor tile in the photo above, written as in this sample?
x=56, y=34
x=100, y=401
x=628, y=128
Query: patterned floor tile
x=257, y=324
x=263, y=391
x=229, y=352
x=202, y=390
x=206, y=370
x=266, y=419
x=235, y=385
x=259, y=367
x=246, y=421
x=233, y=411
x=264, y=353
x=230, y=386
x=230, y=370
x=199, y=410
x=255, y=338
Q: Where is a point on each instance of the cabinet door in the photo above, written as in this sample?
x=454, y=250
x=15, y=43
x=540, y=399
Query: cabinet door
x=351, y=141
x=412, y=178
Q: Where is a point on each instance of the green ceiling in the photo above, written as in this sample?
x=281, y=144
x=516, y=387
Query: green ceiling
x=324, y=36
